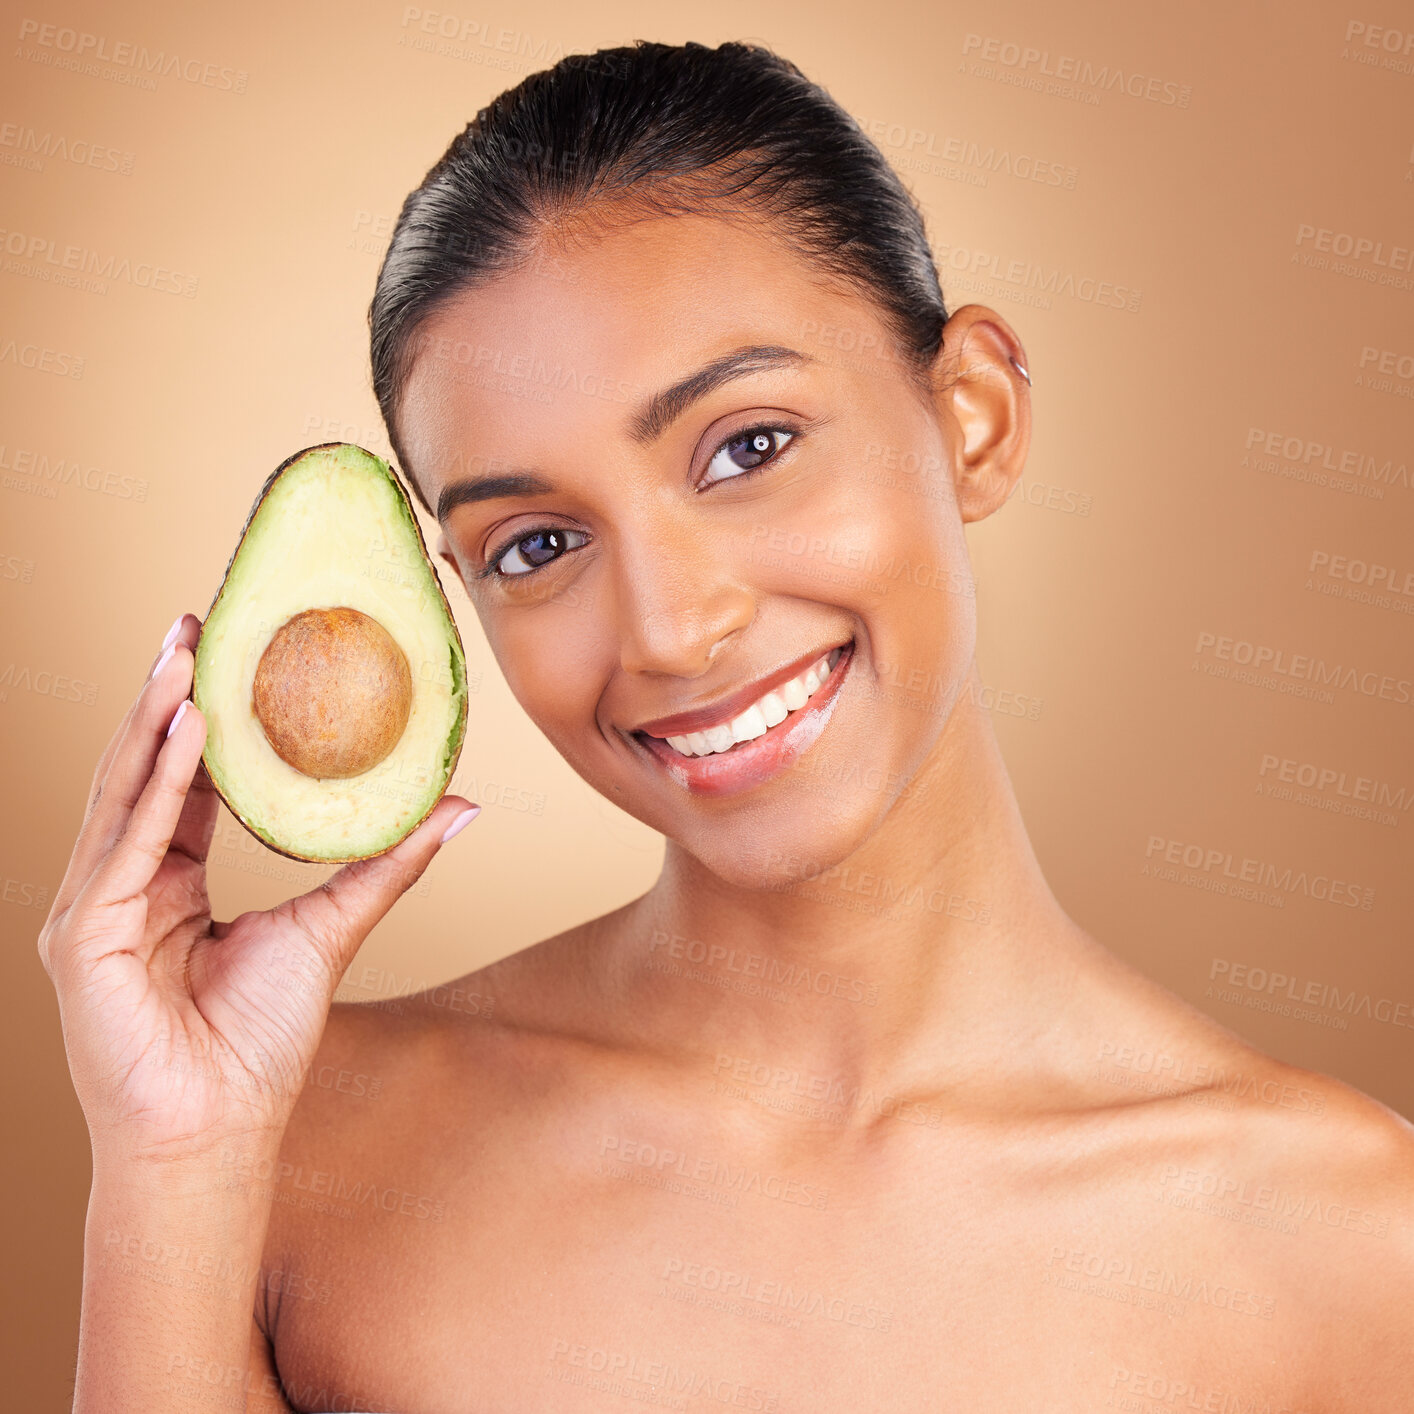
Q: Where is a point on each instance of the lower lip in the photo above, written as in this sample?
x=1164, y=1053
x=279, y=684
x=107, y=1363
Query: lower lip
x=749, y=763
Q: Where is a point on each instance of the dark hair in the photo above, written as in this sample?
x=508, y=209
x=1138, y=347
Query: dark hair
x=673, y=129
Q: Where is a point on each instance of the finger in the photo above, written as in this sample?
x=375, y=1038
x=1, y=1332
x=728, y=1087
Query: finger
x=197, y=825
x=131, y=767
x=336, y=917
x=185, y=629
x=141, y=847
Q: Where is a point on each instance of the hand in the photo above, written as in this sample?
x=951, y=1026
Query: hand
x=184, y=1034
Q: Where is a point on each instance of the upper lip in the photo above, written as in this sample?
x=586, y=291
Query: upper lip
x=735, y=703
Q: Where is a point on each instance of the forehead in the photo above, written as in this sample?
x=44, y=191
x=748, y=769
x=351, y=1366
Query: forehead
x=574, y=341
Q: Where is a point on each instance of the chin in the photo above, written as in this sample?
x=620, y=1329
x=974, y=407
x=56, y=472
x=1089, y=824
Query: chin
x=795, y=842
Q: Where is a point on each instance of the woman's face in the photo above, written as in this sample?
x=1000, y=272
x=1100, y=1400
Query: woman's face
x=675, y=470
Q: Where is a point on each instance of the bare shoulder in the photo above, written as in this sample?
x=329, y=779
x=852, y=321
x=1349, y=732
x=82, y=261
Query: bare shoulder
x=391, y=1075
x=1297, y=1179
x=1341, y=1181
x=348, y=1154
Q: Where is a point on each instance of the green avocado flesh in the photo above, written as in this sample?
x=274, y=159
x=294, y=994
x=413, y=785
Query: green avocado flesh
x=332, y=529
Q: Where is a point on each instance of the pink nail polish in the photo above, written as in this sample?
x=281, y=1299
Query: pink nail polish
x=461, y=822
x=173, y=631
x=163, y=660
x=177, y=717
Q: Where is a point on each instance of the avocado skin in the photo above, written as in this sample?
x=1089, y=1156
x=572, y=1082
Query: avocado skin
x=458, y=735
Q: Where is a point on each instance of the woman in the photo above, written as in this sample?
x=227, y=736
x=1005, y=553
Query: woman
x=844, y=1113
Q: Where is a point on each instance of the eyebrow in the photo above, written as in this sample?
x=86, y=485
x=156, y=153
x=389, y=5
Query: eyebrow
x=646, y=425
x=667, y=406
x=490, y=488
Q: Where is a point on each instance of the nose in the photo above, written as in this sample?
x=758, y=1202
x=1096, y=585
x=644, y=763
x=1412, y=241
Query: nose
x=680, y=599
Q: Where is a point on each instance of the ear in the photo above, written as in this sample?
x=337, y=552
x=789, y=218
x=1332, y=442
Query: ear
x=984, y=392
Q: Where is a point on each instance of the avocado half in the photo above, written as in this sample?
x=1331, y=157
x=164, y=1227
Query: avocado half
x=329, y=669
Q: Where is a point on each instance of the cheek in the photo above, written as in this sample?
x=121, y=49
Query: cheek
x=926, y=565
x=549, y=655
x=882, y=544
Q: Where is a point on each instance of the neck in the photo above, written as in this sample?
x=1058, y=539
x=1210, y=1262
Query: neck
x=902, y=967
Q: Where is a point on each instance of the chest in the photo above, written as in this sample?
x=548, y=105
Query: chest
x=598, y=1266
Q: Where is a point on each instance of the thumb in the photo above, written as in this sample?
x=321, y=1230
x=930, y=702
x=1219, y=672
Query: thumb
x=336, y=917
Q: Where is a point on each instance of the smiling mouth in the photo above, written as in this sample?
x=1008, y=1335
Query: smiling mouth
x=769, y=710
x=745, y=748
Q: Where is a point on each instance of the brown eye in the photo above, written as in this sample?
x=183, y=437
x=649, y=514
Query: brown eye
x=746, y=452
x=536, y=549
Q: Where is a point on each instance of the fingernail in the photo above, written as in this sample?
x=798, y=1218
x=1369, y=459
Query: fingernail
x=162, y=661
x=461, y=822
x=177, y=717
x=174, y=630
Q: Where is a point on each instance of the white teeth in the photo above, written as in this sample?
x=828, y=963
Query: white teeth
x=773, y=708
x=750, y=725
x=761, y=716
x=718, y=738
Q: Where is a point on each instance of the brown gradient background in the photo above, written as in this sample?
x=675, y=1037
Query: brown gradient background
x=279, y=200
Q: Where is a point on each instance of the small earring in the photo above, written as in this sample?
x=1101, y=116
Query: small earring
x=1021, y=371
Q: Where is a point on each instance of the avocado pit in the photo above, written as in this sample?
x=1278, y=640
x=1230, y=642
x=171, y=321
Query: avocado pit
x=333, y=692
